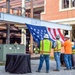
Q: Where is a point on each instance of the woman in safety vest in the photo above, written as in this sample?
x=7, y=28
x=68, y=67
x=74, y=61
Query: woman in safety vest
x=45, y=49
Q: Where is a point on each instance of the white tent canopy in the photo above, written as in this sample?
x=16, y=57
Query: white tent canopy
x=4, y=17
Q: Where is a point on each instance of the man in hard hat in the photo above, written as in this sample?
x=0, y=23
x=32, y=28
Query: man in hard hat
x=45, y=49
x=67, y=52
x=36, y=49
x=57, y=52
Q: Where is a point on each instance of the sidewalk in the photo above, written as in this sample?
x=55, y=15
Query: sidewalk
x=34, y=66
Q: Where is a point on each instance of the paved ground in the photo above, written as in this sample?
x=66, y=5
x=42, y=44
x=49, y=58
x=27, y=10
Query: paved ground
x=34, y=66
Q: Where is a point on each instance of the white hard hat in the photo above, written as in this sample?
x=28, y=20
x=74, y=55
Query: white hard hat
x=57, y=36
x=67, y=36
x=46, y=36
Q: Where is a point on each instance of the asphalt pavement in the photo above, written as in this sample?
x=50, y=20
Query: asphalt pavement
x=34, y=66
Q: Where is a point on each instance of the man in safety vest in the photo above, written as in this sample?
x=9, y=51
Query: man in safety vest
x=45, y=49
x=73, y=54
x=57, y=52
x=36, y=49
x=67, y=52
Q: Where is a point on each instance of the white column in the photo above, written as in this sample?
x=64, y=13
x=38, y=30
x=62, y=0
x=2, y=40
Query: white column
x=69, y=33
x=23, y=8
x=23, y=37
x=23, y=14
x=23, y=34
x=70, y=3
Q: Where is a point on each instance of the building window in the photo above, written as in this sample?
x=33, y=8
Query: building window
x=27, y=0
x=67, y=4
x=66, y=32
x=73, y=3
x=15, y=12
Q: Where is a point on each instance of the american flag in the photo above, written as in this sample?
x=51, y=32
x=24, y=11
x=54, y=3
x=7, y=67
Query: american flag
x=39, y=31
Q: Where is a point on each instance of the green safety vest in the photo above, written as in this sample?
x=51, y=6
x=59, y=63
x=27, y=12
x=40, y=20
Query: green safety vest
x=58, y=47
x=73, y=51
x=45, y=47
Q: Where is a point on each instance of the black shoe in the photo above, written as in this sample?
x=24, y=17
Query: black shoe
x=47, y=71
x=73, y=67
x=38, y=71
x=56, y=70
x=66, y=69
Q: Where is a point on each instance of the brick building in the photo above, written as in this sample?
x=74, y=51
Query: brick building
x=60, y=11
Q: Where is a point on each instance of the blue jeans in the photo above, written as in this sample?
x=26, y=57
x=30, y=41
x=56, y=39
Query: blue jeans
x=42, y=58
x=57, y=59
x=68, y=61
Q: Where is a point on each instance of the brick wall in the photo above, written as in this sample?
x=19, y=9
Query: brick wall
x=52, y=11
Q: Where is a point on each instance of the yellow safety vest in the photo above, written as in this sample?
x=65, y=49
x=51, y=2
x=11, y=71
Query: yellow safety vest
x=29, y=46
x=36, y=50
x=58, y=47
x=73, y=51
x=45, y=47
